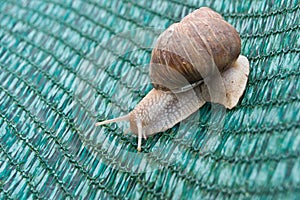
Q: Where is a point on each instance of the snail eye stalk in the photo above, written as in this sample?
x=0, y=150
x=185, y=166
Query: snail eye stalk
x=118, y=119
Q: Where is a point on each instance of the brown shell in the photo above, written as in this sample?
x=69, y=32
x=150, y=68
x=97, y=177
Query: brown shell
x=193, y=49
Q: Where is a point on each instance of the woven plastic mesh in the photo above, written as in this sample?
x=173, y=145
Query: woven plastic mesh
x=63, y=66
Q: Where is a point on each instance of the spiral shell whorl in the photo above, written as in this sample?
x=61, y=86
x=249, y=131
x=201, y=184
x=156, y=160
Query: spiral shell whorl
x=191, y=50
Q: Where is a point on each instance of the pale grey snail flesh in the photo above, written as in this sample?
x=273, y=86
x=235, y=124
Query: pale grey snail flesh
x=198, y=48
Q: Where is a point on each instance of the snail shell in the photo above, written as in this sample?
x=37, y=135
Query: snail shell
x=191, y=48
x=199, y=48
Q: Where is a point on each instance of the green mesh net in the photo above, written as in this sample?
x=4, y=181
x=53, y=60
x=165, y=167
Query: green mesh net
x=66, y=64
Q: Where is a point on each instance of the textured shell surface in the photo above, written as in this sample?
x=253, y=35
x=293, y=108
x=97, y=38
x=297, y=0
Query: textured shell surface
x=197, y=46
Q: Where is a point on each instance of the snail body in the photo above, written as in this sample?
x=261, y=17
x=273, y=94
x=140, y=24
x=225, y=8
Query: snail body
x=190, y=56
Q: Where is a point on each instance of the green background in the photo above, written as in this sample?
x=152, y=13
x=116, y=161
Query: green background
x=66, y=64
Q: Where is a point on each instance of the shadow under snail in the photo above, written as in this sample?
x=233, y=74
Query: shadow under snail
x=194, y=61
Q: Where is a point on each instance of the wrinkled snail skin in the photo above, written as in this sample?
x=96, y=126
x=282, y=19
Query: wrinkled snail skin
x=190, y=56
x=161, y=110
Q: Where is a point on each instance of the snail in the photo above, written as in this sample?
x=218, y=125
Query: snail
x=197, y=57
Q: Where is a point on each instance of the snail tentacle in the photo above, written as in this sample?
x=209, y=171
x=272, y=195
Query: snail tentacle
x=140, y=134
x=118, y=119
